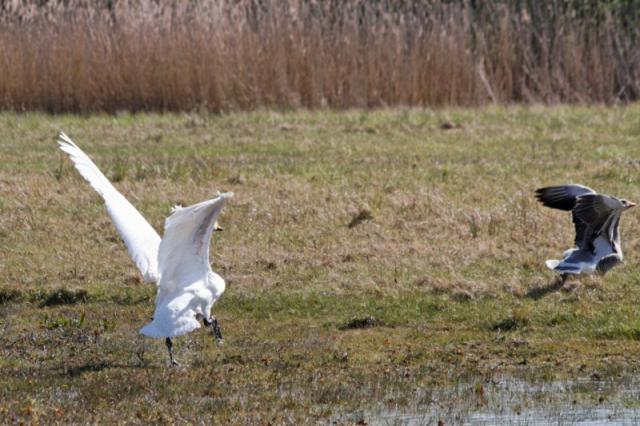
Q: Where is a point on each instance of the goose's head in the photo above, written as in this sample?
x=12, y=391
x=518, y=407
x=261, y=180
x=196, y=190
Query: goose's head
x=627, y=204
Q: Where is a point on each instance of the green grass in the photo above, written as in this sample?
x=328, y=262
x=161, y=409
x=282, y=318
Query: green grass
x=446, y=265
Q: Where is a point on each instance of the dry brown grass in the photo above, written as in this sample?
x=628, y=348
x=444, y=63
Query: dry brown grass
x=125, y=55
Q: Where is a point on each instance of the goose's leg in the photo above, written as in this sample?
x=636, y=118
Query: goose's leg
x=565, y=284
x=169, y=344
x=213, y=322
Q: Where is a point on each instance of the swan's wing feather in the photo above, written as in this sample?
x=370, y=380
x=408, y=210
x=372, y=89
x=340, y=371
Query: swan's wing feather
x=184, y=251
x=141, y=239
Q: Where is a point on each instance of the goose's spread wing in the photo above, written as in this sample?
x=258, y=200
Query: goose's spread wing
x=564, y=197
x=595, y=209
x=184, y=250
x=141, y=239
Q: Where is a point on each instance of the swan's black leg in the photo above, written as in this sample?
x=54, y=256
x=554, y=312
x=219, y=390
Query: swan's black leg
x=216, y=330
x=213, y=322
x=169, y=344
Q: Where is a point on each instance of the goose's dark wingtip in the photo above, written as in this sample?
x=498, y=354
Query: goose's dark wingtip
x=541, y=195
x=561, y=197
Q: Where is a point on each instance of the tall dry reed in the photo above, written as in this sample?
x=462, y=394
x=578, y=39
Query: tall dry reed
x=110, y=55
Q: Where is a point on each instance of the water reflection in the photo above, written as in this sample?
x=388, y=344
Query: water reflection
x=513, y=401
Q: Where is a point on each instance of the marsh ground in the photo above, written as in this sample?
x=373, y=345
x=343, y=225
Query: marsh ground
x=423, y=220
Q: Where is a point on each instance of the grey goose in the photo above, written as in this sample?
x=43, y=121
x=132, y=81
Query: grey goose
x=596, y=218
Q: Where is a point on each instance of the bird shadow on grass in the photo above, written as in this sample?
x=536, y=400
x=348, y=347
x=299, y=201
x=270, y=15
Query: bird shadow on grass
x=96, y=367
x=556, y=284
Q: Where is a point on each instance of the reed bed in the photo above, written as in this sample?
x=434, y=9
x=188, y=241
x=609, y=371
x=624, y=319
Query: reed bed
x=82, y=56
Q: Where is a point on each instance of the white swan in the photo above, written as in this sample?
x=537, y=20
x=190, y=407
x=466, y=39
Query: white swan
x=178, y=263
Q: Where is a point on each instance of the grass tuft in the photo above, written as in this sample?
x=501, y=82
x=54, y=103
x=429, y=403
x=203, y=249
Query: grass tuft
x=358, y=323
x=8, y=294
x=362, y=215
x=64, y=296
x=511, y=323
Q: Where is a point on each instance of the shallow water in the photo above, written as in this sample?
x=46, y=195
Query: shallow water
x=514, y=401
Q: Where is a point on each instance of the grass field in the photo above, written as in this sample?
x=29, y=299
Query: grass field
x=423, y=220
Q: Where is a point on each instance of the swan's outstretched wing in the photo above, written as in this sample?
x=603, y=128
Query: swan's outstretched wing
x=187, y=288
x=141, y=239
x=184, y=250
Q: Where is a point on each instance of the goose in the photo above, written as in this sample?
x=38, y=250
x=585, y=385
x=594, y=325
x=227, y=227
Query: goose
x=596, y=218
x=178, y=262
